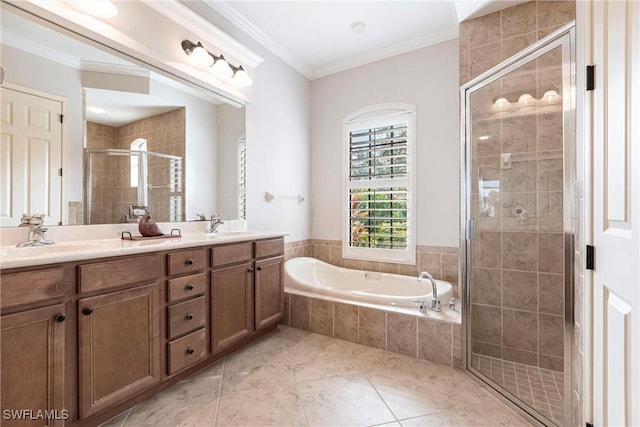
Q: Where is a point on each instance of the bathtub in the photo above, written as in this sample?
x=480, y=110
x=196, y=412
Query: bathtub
x=315, y=276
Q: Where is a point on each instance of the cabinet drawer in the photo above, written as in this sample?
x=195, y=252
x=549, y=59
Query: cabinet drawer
x=111, y=274
x=186, y=316
x=186, y=287
x=231, y=254
x=187, y=350
x=31, y=286
x=266, y=248
x=186, y=261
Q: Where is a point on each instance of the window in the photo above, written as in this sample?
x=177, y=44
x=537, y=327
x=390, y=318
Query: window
x=139, y=144
x=378, y=182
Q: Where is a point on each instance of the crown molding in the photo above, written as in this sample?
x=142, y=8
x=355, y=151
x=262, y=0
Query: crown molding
x=387, y=52
x=39, y=50
x=103, y=67
x=206, y=31
x=228, y=12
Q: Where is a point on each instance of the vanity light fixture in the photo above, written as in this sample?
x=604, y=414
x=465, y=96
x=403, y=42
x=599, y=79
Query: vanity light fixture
x=526, y=100
x=483, y=137
x=550, y=97
x=202, y=58
x=501, y=104
x=96, y=8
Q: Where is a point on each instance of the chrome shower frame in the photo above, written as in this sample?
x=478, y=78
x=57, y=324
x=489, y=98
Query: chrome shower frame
x=563, y=37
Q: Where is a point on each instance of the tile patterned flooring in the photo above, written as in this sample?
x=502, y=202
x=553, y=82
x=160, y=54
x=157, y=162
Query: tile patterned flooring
x=541, y=388
x=293, y=377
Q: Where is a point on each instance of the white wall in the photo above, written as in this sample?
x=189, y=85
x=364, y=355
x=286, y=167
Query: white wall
x=427, y=78
x=277, y=130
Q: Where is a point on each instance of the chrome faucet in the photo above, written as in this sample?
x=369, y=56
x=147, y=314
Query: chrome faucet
x=216, y=220
x=435, y=301
x=36, y=233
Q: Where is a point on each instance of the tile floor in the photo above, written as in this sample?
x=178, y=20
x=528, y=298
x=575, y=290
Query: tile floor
x=293, y=377
x=540, y=388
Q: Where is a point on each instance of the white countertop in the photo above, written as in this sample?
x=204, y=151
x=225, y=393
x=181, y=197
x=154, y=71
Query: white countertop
x=12, y=257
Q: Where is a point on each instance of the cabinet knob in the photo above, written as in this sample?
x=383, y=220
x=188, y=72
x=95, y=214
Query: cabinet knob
x=259, y=268
x=189, y=287
x=190, y=350
x=250, y=270
x=60, y=317
x=189, y=261
x=189, y=316
x=87, y=311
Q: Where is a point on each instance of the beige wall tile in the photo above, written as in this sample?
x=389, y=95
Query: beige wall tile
x=484, y=30
x=520, y=290
x=401, y=333
x=408, y=270
x=435, y=341
x=550, y=212
x=519, y=19
x=286, y=320
x=322, y=316
x=300, y=312
x=486, y=287
x=551, y=293
x=550, y=131
x=387, y=267
x=432, y=263
x=519, y=134
x=450, y=271
x=554, y=13
x=551, y=339
x=457, y=345
x=322, y=253
x=483, y=58
x=346, y=322
x=354, y=264
x=513, y=45
x=551, y=252
x=519, y=251
x=492, y=350
x=519, y=212
x=551, y=362
x=372, y=327
x=520, y=356
x=487, y=324
x=520, y=330
x=335, y=256
x=486, y=249
x=550, y=177
x=370, y=266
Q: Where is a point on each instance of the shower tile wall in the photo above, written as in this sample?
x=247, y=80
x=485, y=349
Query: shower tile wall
x=527, y=253
x=111, y=191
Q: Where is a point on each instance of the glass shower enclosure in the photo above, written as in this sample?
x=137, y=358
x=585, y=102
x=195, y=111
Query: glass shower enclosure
x=517, y=228
x=123, y=185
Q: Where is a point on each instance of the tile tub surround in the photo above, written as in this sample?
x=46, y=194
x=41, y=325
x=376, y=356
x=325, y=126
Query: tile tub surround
x=293, y=377
x=430, y=336
x=441, y=261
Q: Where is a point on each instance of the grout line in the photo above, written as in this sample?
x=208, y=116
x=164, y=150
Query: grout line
x=304, y=411
x=366, y=375
x=126, y=417
x=224, y=364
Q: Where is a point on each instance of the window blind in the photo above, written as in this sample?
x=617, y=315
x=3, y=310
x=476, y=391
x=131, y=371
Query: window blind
x=378, y=182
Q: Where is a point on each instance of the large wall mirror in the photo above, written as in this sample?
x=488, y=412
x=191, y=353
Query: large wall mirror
x=90, y=138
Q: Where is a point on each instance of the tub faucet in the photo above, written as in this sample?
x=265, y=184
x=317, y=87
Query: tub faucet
x=36, y=231
x=435, y=301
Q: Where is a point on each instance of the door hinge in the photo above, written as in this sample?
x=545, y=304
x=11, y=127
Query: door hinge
x=591, y=257
x=588, y=424
x=591, y=77
x=60, y=172
x=61, y=118
x=471, y=229
x=59, y=222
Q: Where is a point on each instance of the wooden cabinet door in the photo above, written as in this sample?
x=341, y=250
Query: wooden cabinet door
x=119, y=339
x=269, y=291
x=231, y=305
x=32, y=361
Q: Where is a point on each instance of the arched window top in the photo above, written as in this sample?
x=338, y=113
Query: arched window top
x=379, y=111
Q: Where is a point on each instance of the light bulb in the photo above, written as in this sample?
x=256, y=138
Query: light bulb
x=501, y=104
x=221, y=68
x=97, y=8
x=200, y=57
x=551, y=97
x=526, y=100
x=241, y=78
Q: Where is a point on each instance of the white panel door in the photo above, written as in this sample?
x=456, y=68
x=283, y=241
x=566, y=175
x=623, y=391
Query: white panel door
x=30, y=157
x=616, y=213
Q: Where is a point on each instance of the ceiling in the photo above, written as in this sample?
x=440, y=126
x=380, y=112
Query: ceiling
x=315, y=37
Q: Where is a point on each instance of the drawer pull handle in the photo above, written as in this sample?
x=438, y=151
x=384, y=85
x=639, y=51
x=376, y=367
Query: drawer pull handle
x=250, y=270
x=87, y=311
x=259, y=268
x=189, y=287
x=189, y=316
x=60, y=317
x=190, y=350
x=189, y=261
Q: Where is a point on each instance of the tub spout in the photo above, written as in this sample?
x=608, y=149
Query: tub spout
x=435, y=301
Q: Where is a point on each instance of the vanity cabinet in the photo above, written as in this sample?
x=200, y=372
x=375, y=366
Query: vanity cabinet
x=269, y=292
x=231, y=305
x=95, y=337
x=32, y=357
x=118, y=330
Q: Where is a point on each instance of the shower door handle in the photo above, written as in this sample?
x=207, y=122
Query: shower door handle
x=471, y=229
